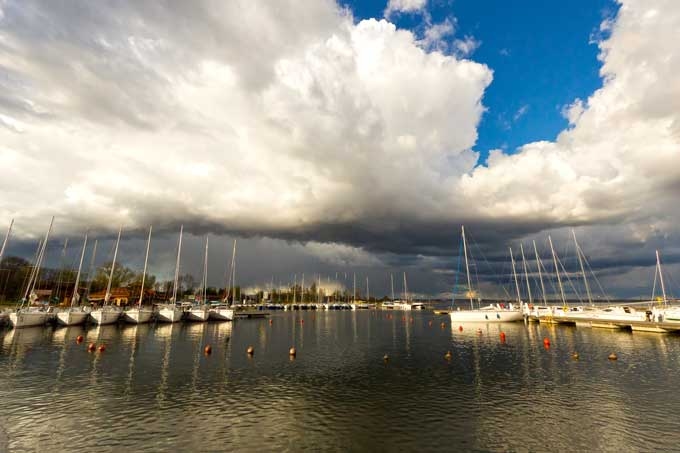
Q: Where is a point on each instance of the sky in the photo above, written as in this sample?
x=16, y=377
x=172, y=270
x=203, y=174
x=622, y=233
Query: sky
x=348, y=137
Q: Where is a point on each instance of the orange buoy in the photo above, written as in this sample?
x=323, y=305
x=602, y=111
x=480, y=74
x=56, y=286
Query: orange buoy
x=546, y=341
x=271, y=321
x=292, y=352
x=207, y=350
x=460, y=328
x=443, y=325
x=479, y=331
x=91, y=347
x=429, y=323
x=79, y=339
x=250, y=350
x=101, y=348
x=574, y=355
x=502, y=337
x=448, y=355
x=613, y=356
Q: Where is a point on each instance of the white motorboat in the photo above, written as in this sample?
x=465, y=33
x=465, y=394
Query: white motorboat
x=399, y=305
x=29, y=317
x=221, y=313
x=388, y=305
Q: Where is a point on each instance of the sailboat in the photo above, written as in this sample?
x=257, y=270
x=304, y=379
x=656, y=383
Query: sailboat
x=170, y=312
x=4, y=315
x=108, y=314
x=223, y=312
x=139, y=314
x=201, y=312
x=491, y=313
x=75, y=314
x=27, y=316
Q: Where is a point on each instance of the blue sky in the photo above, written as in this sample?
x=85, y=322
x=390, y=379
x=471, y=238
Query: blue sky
x=541, y=52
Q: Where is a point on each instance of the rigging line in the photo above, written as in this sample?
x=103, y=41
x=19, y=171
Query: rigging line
x=592, y=272
x=455, y=284
x=566, y=274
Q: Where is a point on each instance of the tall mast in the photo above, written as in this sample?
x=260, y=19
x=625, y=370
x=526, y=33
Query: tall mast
x=233, y=272
x=76, y=297
x=179, y=253
x=540, y=276
x=38, y=262
x=658, y=266
x=514, y=274
x=392, y=285
x=318, y=291
x=354, y=293
x=4, y=243
x=583, y=272
x=526, y=273
x=302, y=297
x=557, y=272
x=90, y=271
x=205, y=272
x=368, y=294
x=467, y=267
x=146, y=260
x=405, y=289
x=294, y=288
x=113, y=266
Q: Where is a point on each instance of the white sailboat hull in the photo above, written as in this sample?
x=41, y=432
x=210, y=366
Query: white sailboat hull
x=485, y=316
x=198, y=314
x=71, y=317
x=222, y=314
x=137, y=315
x=28, y=319
x=169, y=315
x=103, y=317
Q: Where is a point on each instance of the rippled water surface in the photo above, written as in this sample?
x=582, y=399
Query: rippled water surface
x=154, y=389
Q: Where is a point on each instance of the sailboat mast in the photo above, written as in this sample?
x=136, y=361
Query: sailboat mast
x=514, y=274
x=90, y=271
x=663, y=288
x=4, y=243
x=368, y=294
x=205, y=272
x=526, y=273
x=179, y=253
x=354, y=293
x=75, y=297
x=405, y=289
x=146, y=260
x=318, y=291
x=540, y=275
x=38, y=262
x=302, y=296
x=583, y=272
x=392, y=285
x=113, y=266
x=557, y=272
x=467, y=267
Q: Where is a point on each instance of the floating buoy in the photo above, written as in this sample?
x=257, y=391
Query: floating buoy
x=443, y=325
x=574, y=355
x=460, y=328
x=479, y=331
x=546, y=341
x=448, y=355
x=613, y=356
x=91, y=347
x=386, y=358
x=502, y=337
x=271, y=321
x=101, y=348
x=79, y=339
x=292, y=352
x=207, y=350
x=250, y=350
x=429, y=323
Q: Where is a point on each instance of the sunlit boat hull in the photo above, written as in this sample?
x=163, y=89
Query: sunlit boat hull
x=198, y=314
x=221, y=314
x=485, y=316
x=137, y=315
x=169, y=315
x=103, y=317
x=28, y=319
x=72, y=317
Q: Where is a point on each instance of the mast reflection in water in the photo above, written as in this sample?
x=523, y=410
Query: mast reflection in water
x=155, y=389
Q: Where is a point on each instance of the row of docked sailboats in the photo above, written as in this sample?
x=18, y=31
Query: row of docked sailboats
x=27, y=314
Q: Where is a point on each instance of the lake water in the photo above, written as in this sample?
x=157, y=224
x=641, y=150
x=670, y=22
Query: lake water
x=154, y=389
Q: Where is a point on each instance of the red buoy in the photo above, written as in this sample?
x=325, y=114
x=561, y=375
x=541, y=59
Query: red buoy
x=91, y=347
x=271, y=321
x=546, y=341
x=460, y=328
x=502, y=337
x=302, y=321
x=207, y=350
x=79, y=339
x=101, y=348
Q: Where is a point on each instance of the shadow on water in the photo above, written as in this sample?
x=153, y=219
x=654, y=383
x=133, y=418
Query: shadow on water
x=154, y=387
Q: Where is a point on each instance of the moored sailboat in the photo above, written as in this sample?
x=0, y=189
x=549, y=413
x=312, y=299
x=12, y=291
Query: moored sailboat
x=75, y=314
x=201, y=312
x=223, y=312
x=140, y=314
x=108, y=314
x=171, y=312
